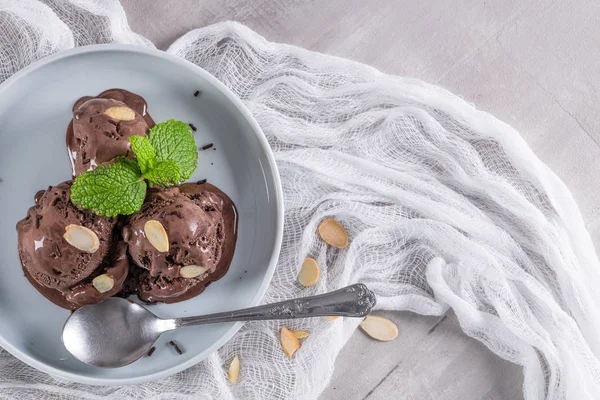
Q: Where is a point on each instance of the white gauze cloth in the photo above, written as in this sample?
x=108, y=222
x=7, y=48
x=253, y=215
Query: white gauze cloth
x=446, y=207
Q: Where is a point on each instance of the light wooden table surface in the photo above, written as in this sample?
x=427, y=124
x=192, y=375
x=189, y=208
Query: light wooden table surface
x=533, y=64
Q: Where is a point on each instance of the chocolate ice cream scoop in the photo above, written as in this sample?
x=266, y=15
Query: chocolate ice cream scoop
x=100, y=131
x=63, y=248
x=102, y=125
x=183, y=238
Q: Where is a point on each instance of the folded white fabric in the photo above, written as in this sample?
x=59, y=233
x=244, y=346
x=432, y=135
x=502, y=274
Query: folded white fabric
x=411, y=170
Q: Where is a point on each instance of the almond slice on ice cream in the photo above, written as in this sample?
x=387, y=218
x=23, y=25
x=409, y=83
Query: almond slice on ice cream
x=120, y=113
x=157, y=236
x=301, y=334
x=103, y=283
x=333, y=233
x=82, y=238
x=192, y=271
x=309, y=273
x=234, y=370
x=289, y=341
x=379, y=328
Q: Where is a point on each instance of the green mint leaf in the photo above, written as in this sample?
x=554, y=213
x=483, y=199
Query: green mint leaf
x=166, y=173
x=144, y=152
x=173, y=140
x=111, y=189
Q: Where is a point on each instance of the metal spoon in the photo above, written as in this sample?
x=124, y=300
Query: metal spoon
x=117, y=331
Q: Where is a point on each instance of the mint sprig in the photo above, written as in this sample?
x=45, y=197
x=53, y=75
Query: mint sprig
x=167, y=156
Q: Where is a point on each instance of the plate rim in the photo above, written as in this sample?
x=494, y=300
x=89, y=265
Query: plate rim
x=278, y=194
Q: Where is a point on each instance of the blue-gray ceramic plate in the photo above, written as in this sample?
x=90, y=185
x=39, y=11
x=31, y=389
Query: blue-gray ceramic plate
x=35, y=109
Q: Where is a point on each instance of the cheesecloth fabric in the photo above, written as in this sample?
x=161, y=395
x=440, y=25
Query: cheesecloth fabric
x=446, y=207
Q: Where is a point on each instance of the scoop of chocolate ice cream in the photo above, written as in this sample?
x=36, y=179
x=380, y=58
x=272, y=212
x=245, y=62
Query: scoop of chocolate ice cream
x=63, y=248
x=183, y=238
x=100, y=131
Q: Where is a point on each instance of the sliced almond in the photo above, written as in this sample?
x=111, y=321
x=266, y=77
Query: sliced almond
x=332, y=317
x=333, y=233
x=120, y=113
x=157, y=236
x=289, y=341
x=301, y=334
x=103, y=283
x=379, y=328
x=234, y=370
x=309, y=273
x=192, y=271
x=82, y=238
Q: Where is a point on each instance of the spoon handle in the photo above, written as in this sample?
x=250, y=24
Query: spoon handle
x=352, y=301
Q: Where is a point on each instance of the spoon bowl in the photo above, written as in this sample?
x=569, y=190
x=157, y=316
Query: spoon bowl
x=113, y=333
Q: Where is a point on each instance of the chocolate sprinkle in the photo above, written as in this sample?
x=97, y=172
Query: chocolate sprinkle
x=86, y=161
x=207, y=146
x=196, y=93
x=108, y=134
x=193, y=127
x=177, y=213
x=151, y=351
x=111, y=121
x=200, y=182
x=37, y=221
x=177, y=349
x=56, y=250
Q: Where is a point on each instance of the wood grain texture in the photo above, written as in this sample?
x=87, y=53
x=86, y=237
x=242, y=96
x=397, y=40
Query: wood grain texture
x=531, y=63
